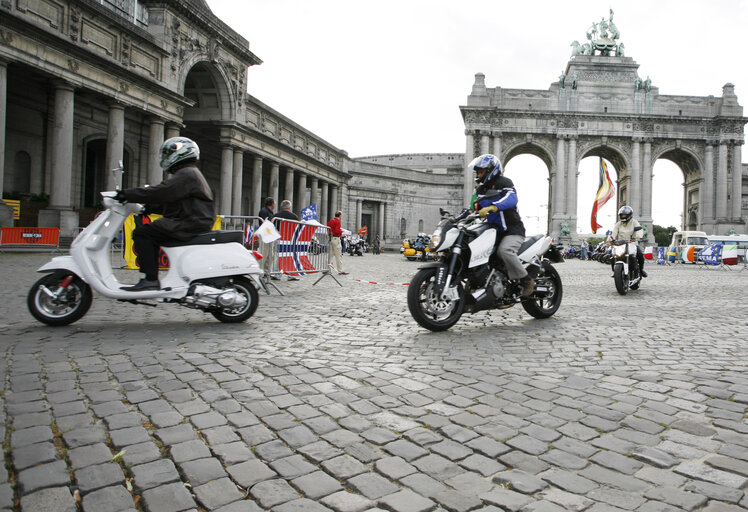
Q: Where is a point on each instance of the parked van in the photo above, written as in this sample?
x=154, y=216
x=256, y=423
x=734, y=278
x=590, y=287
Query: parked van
x=683, y=239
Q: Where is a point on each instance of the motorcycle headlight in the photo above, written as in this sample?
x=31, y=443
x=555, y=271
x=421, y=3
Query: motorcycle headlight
x=436, y=239
x=619, y=250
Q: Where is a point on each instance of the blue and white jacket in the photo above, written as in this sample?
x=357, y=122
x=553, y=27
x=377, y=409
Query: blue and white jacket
x=507, y=219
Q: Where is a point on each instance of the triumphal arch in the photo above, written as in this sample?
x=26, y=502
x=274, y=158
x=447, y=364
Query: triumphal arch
x=600, y=106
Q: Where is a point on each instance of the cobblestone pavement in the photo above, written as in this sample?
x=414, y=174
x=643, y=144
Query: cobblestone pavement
x=332, y=398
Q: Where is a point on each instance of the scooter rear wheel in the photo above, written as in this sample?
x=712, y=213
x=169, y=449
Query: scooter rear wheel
x=244, y=287
x=55, y=307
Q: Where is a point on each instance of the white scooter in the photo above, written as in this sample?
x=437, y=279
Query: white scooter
x=208, y=272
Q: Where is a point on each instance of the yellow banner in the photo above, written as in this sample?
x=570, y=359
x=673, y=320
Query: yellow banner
x=16, y=205
x=131, y=259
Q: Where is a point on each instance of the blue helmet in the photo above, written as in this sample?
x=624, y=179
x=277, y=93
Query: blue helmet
x=487, y=168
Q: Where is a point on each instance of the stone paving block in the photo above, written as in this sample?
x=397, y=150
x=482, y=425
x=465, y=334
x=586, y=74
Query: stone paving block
x=569, y=501
x=217, y=493
x=528, y=445
x=617, y=498
x=451, y=450
x=34, y=454
x=342, y=438
x=716, y=476
x=614, y=479
x=31, y=435
x=57, y=499
x=564, y=459
x=293, y=466
x=200, y=471
x=612, y=460
x=220, y=435
x=298, y=436
x=154, y=474
x=172, y=497
x=406, y=501
x=141, y=453
x=189, y=450
x=208, y=420
x=143, y=395
x=129, y=436
x=270, y=493
x=251, y=472
x=394, y=468
x=542, y=506
x=125, y=420
x=84, y=436
x=484, y=465
x=405, y=449
x=316, y=485
x=166, y=419
x=321, y=451
x=506, y=499
x=6, y=496
x=176, y=434
x=301, y=505
x=654, y=457
x=245, y=505
x=256, y=435
x=232, y=453
x=33, y=419
x=728, y=464
x=714, y=491
x=676, y=497
x=108, y=499
x=344, y=466
x=347, y=502
x=423, y=484
x=372, y=486
x=437, y=467
x=53, y=474
x=520, y=481
x=97, y=476
x=105, y=409
x=487, y=446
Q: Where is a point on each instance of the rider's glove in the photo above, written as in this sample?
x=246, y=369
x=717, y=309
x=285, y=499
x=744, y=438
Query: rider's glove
x=120, y=197
x=485, y=211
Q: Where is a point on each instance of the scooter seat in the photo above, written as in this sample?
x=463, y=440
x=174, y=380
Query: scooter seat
x=209, y=238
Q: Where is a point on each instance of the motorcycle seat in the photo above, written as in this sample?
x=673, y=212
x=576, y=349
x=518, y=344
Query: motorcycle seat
x=528, y=242
x=209, y=238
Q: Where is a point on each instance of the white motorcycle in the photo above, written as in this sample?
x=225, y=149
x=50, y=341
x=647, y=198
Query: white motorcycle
x=469, y=277
x=212, y=272
x=626, y=271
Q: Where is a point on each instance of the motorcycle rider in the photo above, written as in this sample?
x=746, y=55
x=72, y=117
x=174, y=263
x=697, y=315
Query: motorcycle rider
x=183, y=198
x=628, y=228
x=502, y=212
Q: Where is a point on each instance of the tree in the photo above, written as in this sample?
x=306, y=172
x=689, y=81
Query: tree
x=663, y=236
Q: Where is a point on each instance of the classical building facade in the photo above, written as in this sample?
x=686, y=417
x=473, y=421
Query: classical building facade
x=86, y=84
x=601, y=107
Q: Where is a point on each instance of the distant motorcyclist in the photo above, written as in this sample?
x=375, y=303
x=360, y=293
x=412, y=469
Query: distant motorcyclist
x=502, y=212
x=628, y=228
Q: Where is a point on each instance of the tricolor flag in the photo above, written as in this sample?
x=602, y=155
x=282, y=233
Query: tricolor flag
x=605, y=192
x=687, y=256
x=249, y=234
x=730, y=254
x=648, y=254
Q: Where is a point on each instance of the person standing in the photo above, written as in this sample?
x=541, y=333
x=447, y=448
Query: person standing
x=286, y=229
x=377, y=244
x=266, y=212
x=336, y=231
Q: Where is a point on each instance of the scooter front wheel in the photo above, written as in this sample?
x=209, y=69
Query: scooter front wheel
x=59, y=299
x=232, y=314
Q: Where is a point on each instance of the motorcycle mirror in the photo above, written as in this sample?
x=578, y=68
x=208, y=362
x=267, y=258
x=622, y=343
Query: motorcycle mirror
x=443, y=212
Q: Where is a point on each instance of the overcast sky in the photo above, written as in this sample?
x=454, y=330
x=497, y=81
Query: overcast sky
x=388, y=76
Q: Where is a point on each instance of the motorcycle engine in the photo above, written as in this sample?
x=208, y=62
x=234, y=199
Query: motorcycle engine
x=497, y=284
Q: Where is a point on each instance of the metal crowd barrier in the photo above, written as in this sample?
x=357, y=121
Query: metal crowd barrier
x=303, y=248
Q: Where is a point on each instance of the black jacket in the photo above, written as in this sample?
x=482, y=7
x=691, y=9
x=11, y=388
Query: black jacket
x=185, y=201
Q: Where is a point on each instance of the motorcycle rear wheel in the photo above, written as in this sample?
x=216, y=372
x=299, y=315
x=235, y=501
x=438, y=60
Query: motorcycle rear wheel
x=242, y=286
x=430, y=311
x=68, y=307
x=622, y=281
x=544, y=307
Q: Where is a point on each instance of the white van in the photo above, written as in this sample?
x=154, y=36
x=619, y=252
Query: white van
x=683, y=238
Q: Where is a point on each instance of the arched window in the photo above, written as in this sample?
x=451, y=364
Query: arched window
x=403, y=226
x=420, y=226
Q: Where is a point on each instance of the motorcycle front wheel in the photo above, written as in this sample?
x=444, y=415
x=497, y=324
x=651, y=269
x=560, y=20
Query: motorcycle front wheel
x=429, y=310
x=246, y=289
x=547, y=305
x=51, y=305
x=622, y=281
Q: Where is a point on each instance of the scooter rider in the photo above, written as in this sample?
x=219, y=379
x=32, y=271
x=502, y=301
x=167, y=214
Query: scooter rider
x=628, y=228
x=183, y=198
x=503, y=214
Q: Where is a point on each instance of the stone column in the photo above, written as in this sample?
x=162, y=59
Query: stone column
x=256, y=205
x=288, y=189
x=558, y=185
x=60, y=213
x=155, y=141
x=467, y=178
x=314, y=193
x=301, y=192
x=646, y=190
x=322, y=211
x=236, y=185
x=721, y=202
x=706, y=195
x=227, y=164
x=380, y=224
x=737, y=182
x=115, y=144
x=172, y=130
x=571, y=185
x=496, y=137
x=3, y=114
x=484, y=138
x=359, y=205
x=634, y=199
x=274, y=185
x=334, y=203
